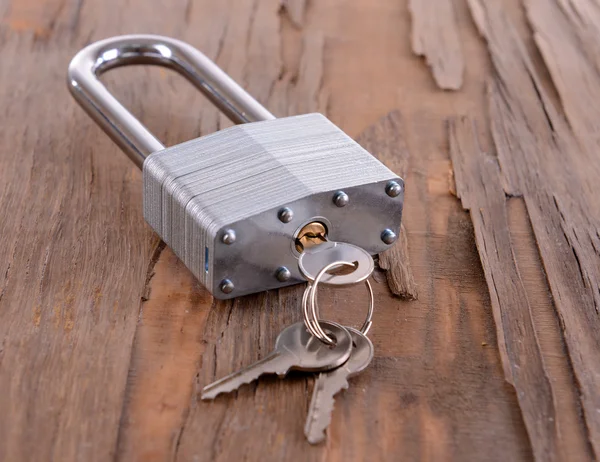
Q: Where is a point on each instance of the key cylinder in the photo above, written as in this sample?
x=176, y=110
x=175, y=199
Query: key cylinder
x=312, y=234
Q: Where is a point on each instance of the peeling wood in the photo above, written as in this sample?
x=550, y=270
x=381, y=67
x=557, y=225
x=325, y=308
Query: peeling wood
x=396, y=263
x=435, y=36
x=567, y=33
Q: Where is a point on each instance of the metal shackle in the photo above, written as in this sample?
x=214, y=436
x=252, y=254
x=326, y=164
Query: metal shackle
x=124, y=128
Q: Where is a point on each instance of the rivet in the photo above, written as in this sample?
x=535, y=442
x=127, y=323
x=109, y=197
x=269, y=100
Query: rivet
x=226, y=286
x=393, y=189
x=283, y=274
x=285, y=215
x=388, y=236
x=341, y=199
x=228, y=237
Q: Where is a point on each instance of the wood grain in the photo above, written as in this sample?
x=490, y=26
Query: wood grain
x=566, y=34
x=105, y=338
x=546, y=164
x=75, y=254
x=479, y=187
x=435, y=36
x=167, y=348
x=572, y=438
x=521, y=324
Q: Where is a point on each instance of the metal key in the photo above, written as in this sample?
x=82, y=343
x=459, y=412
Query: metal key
x=295, y=349
x=328, y=384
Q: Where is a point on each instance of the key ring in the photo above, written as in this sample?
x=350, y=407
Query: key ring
x=310, y=292
x=311, y=324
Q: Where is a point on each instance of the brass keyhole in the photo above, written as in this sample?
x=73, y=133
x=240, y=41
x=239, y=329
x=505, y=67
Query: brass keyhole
x=312, y=234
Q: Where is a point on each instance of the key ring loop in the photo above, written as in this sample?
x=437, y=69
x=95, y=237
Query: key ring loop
x=309, y=300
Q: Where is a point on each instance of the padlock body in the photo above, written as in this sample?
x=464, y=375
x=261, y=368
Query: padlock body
x=238, y=179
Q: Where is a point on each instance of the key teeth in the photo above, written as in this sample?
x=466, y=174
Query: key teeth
x=210, y=396
x=318, y=437
x=323, y=409
x=313, y=439
x=212, y=393
x=245, y=377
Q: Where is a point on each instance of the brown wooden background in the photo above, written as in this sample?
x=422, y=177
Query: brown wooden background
x=105, y=338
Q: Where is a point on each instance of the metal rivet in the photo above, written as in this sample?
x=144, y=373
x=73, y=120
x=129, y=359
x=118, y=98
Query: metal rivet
x=341, y=199
x=393, y=189
x=388, y=236
x=286, y=215
x=283, y=274
x=226, y=286
x=228, y=237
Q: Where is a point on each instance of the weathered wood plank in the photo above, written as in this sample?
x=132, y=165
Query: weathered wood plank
x=78, y=255
x=552, y=170
x=479, y=187
x=167, y=349
x=571, y=430
x=75, y=254
x=435, y=37
x=75, y=243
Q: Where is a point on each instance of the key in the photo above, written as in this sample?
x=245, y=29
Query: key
x=328, y=384
x=315, y=258
x=295, y=349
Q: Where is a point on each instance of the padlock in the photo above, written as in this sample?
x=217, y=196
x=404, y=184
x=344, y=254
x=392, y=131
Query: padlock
x=233, y=204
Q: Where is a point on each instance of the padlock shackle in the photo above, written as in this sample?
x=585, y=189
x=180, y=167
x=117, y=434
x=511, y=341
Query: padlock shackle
x=124, y=128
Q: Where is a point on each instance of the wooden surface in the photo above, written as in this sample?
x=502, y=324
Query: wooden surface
x=487, y=329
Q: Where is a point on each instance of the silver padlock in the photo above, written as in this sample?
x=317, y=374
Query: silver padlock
x=233, y=204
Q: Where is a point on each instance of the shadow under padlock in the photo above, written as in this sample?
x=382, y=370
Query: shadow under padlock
x=234, y=204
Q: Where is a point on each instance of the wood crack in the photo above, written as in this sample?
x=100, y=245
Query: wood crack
x=150, y=271
x=6, y=273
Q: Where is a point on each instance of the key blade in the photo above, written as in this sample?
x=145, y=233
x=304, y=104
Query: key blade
x=322, y=402
x=275, y=363
x=328, y=384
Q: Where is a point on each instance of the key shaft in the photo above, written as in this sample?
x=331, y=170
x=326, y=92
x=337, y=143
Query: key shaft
x=330, y=383
x=277, y=362
x=296, y=349
x=327, y=385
